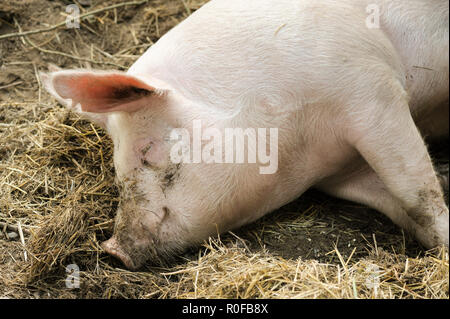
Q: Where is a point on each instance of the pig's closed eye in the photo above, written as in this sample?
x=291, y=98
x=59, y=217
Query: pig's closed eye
x=146, y=154
x=146, y=148
x=151, y=154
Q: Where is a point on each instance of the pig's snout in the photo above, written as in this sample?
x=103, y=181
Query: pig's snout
x=112, y=247
x=133, y=240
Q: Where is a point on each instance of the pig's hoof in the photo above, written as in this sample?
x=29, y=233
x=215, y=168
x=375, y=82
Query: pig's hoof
x=112, y=247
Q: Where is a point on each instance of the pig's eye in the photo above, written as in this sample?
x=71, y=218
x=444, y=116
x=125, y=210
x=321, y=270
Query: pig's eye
x=151, y=154
x=146, y=154
x=146, y=148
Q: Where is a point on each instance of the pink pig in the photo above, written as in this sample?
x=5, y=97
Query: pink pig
x=350, y=94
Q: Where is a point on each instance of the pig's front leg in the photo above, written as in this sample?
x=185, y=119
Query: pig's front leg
x=387, y=138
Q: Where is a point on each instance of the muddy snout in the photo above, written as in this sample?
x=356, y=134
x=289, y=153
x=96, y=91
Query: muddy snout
x=135, y=236
x=112, y=247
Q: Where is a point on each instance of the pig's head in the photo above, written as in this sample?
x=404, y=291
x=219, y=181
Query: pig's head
x=164, y=206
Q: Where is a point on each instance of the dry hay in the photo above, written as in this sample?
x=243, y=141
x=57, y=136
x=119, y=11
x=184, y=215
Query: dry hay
x=57, y=186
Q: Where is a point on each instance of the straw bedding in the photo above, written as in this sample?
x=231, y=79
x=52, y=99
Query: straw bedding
x=58, y=198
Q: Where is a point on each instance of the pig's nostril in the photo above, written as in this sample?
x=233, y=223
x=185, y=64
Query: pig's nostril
x=112, y=247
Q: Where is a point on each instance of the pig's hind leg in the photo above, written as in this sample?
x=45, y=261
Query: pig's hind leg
x=389, y=141
x=359, y=183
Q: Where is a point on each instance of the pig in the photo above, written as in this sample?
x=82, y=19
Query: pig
x=352, y=87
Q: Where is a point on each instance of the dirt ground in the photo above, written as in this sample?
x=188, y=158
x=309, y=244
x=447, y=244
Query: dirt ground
x=56, y=181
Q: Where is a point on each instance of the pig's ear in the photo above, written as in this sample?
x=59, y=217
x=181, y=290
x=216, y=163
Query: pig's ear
x=98, y=92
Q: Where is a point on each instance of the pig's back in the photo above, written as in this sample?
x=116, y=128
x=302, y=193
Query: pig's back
x=231, y=50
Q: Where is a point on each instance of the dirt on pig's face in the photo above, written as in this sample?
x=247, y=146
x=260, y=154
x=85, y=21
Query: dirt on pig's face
x=146, y=225
x=143, y=221
x=166, y=206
